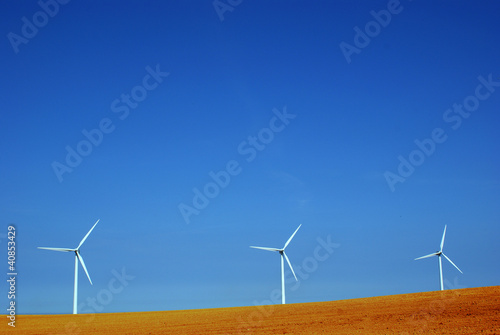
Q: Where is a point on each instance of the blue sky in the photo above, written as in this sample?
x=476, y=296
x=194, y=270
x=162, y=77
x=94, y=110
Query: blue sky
x=304, y=131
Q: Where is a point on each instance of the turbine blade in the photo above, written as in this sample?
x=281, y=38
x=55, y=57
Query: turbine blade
x=83, y=240
x=426, y=256
x=442, y=239
x=290, y=264
x=449, y=260
x=84, y=267
x=291, y=237
x=57, y=249
x=264, y=248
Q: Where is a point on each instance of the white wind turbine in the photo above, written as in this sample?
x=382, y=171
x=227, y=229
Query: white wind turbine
x=78, y=257
x=283, y=255
x=439, y=254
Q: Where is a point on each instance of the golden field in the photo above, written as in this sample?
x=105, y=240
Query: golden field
x=464, y=311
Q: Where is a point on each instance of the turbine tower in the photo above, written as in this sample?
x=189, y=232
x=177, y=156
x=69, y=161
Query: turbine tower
x=439, y=254
x=283, y=255
x=78, y=257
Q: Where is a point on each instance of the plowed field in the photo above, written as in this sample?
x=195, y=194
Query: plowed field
x=464, y=311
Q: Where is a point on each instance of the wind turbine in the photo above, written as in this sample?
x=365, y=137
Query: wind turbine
x=283, y=255
x=439, y=254
x=78, y=257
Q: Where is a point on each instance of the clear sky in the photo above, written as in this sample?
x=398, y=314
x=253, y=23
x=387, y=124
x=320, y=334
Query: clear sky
x=193, y=131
